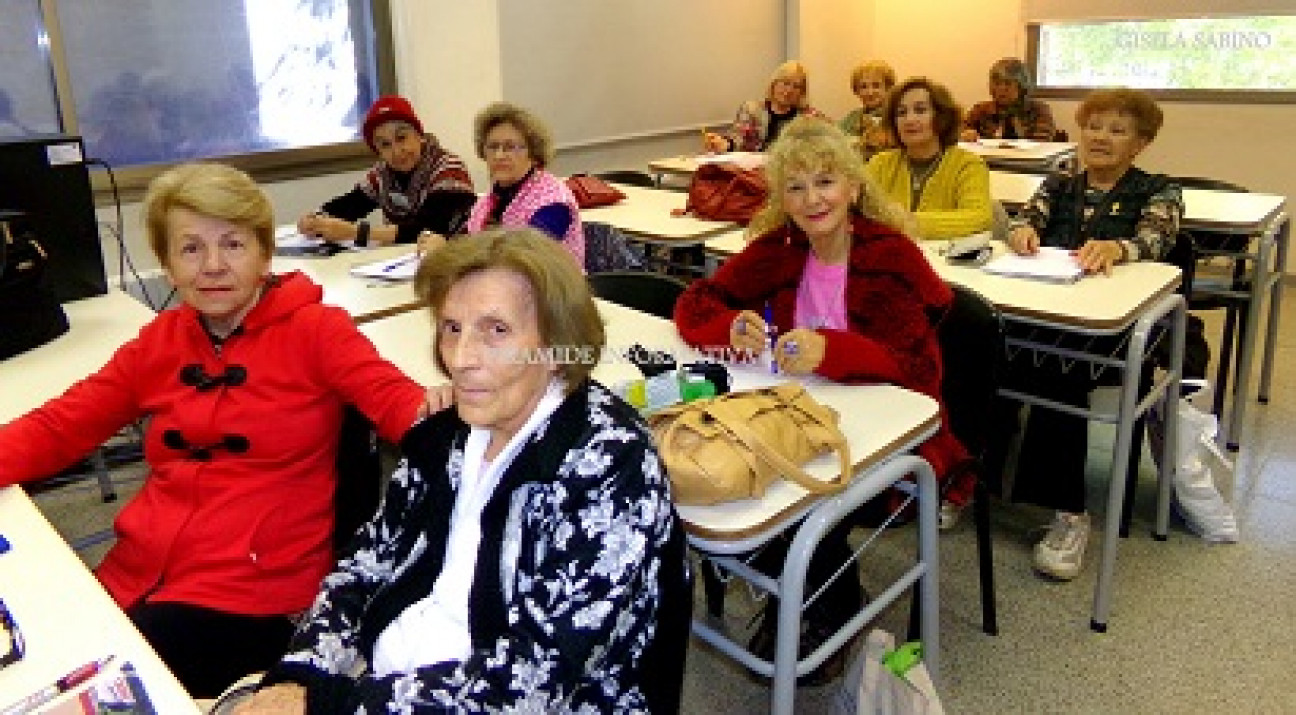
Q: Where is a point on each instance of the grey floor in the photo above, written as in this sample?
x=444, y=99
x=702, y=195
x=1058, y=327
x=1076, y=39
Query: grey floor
x=1194, y=627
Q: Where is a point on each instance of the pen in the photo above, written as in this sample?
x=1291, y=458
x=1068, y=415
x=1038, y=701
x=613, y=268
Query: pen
x=57, y=688
x=399, y=262
x=771, y=332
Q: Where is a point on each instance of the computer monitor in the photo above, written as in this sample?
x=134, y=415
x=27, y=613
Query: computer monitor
x=45, y=176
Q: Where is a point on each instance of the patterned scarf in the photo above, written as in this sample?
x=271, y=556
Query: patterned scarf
x=437, y=170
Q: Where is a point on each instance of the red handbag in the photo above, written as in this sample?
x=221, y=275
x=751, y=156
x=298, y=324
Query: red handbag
x=726, y=192
x=591, y=191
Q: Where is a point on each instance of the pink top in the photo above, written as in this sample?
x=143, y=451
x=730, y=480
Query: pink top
x=821, y=297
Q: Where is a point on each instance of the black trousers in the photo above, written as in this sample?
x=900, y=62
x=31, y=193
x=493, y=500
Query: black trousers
x=842, y=599
x=1055, y=445
x=209, y=650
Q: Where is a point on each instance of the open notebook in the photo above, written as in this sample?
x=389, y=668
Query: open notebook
x=1057, y=265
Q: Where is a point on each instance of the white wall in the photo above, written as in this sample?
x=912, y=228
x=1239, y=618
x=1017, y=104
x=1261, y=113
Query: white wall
x=450, y=64
x=956, y=41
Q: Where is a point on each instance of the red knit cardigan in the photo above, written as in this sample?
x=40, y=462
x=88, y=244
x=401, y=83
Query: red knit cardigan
x=892, y=294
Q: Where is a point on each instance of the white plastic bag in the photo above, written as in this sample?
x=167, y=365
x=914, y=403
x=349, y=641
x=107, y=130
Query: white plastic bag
x=1199, y=468
x=870, y=688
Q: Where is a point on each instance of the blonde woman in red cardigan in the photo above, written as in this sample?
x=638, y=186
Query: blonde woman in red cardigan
x=849, y=294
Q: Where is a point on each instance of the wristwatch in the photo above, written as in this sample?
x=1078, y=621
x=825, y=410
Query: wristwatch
x=362, y=234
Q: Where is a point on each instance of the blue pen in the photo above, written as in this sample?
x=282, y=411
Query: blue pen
x=772, y=333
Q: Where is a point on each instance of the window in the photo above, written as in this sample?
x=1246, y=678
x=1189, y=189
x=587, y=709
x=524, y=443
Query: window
x=1214, y=58
x=267, y=84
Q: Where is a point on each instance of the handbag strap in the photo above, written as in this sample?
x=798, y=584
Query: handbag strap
x=744, y=434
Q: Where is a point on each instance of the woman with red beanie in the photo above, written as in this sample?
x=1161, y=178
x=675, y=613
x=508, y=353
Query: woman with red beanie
x=419, y=186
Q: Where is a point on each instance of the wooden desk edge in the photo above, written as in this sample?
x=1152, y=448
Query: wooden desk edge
x=927, y=426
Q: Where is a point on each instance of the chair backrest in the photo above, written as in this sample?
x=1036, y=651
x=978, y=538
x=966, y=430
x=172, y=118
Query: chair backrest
x=971, y=334
x=608, y=249
x=652, y=293
x=631, y=177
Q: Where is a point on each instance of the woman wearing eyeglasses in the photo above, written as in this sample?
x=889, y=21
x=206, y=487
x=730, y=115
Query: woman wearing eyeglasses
x=421, y=188
x=517, y=147
x=758, y=123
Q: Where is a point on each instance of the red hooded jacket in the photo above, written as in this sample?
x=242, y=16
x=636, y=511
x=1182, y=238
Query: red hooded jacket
x=243, y=532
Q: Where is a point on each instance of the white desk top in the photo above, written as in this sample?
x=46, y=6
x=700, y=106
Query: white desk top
x=878, y=420
x=99, y=326
x=727, y=243
x=998, y=152
x=65, y=616
x=1096, y=303
x=646, y=214
x=363, y=299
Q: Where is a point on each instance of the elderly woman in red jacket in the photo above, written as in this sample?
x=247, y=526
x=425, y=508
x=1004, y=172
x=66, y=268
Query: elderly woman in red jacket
x=849, y=294
x=243, y=388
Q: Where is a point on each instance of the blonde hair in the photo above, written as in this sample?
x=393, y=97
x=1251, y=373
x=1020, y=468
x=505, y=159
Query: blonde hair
x=872, y=68
x=538, y=140
x=815, y=144
x=212, y=190
x=565, y=309
x=793, y=71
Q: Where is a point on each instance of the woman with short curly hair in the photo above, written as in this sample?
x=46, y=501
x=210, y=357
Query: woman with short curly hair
x=517, y=147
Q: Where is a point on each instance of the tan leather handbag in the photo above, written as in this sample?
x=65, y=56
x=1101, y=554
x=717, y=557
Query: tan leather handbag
x=733, y=446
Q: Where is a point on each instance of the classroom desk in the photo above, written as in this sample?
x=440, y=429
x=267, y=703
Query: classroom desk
x=65, y=616
x=1028, y=156
x=882, y=424
x=1261, y=217
x=364, y=299
x=98, y=326
x=1129, y=303
x=645, y=215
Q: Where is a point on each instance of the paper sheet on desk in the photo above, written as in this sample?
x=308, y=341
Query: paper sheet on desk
x=744, y=159
x=401, y=268
x=1057, y=265
x=1008, y=143
x=287, y=238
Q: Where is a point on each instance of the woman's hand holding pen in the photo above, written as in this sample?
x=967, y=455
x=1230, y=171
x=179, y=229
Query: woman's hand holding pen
x=747, y=333
x=1024, y=241
x=326, y=227
x=714, y=143
x=800, y=351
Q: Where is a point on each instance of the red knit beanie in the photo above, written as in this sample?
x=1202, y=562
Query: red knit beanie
x=388, y=109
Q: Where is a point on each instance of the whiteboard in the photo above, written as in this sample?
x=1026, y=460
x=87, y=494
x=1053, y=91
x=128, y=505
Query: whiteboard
x=598, y=70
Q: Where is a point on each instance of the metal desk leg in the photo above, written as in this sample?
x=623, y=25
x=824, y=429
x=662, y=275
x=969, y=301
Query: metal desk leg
x=1129, y=409
x=1275, y=308
x=1250, y=329
x=791, y=589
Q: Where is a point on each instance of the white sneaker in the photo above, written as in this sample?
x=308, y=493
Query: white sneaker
x=949, y=515
x=1060, y=553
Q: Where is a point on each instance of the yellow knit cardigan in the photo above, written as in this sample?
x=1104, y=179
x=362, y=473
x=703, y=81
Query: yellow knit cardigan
x=954, y=203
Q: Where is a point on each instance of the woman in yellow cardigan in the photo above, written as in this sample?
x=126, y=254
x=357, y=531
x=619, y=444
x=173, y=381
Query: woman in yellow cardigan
x=946, y=187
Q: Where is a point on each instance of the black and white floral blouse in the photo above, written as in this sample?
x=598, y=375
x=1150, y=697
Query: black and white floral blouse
x=565, y=594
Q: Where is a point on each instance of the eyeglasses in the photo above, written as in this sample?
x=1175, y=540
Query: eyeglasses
x=506, y=147
x=11, y=642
